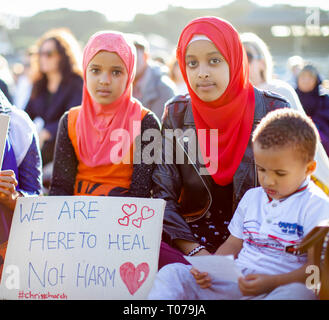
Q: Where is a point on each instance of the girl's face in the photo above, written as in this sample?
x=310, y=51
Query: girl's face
x=49, y=57
x=207, y=71
x=106, y=77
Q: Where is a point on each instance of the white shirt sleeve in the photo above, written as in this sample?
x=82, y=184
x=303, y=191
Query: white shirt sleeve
x=317, y=211
x=236, y=225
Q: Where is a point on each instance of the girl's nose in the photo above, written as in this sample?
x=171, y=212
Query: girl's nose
x=104, y=79
x=203, y=72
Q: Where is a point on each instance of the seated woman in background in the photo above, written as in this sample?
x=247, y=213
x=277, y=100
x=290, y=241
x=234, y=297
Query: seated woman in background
x=57, y=85
x=261, y=69
x=315, y=100
x=20, y=173
x=261, y=75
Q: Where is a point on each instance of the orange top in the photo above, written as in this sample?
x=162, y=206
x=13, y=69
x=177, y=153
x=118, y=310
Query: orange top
x=3, y=249
x=99, y=180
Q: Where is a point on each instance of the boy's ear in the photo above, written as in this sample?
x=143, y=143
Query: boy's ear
x=311, y=166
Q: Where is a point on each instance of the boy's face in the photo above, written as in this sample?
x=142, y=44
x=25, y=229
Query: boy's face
x=281, y=171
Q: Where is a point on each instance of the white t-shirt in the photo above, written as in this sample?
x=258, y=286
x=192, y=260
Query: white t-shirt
x=267, y=227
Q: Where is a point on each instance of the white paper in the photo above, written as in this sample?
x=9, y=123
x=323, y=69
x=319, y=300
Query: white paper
x=218, y=267
x=82, y=248
x=4, y=121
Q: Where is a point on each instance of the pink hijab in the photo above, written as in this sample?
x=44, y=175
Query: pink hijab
x=96, y=123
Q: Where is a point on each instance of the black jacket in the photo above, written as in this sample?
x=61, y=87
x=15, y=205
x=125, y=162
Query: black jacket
x=68, y=94
x=186, y=191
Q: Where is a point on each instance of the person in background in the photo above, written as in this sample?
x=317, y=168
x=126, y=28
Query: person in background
x=152, y=86
x=5, y=90
x=261, y=69
x=315, y=100
x=6, y=79
x=261, y=76
x=176, y=76
x=57, y=85
x=21, y=170
x=23, y=81
x=294, y=65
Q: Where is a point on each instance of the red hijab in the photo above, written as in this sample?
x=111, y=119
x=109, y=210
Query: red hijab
x=233, y=112
x=96, y=123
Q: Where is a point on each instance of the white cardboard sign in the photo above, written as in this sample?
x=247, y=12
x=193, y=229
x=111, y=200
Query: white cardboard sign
x=82, y=247
x=4, y=122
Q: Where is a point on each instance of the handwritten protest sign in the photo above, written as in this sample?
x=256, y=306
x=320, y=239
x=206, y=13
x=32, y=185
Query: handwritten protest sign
x=4, y=121
x=82, y=248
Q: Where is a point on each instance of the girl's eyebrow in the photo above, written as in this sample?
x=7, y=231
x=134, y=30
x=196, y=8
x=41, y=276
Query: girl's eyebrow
x=208, y=54
x=215, y=52
x=93, y=65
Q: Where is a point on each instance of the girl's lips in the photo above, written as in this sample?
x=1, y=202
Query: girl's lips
x=206, y=86
x=103, y=93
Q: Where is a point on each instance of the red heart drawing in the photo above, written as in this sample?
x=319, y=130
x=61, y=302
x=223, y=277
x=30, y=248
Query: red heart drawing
x=137, y=222
x=133, y=277
x=147, y=212
x=124, y=221
x=129, y=209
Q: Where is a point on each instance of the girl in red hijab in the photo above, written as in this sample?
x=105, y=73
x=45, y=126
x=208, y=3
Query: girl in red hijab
x=223, y=108
x=96, y=144
x=221, y=94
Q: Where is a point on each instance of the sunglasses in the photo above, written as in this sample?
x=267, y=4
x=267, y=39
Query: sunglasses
x=251, y=57
x=47, y=53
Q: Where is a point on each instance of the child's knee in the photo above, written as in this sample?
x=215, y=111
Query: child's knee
x=175, y=269
x=292, y=291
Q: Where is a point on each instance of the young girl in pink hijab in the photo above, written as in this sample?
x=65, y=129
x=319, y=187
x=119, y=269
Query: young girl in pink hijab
x=96, y=143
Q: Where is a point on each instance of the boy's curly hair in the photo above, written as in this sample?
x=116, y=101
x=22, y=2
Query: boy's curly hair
x=288, y=127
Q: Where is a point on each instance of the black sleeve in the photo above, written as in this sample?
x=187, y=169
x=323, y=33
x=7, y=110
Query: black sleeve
x=65, y=162
x=167, y=185
x=145, y=157
x=29, y=109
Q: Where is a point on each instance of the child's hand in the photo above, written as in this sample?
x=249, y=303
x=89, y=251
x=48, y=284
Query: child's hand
x=256, y=284
x=201, y=278
x=8, y=193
